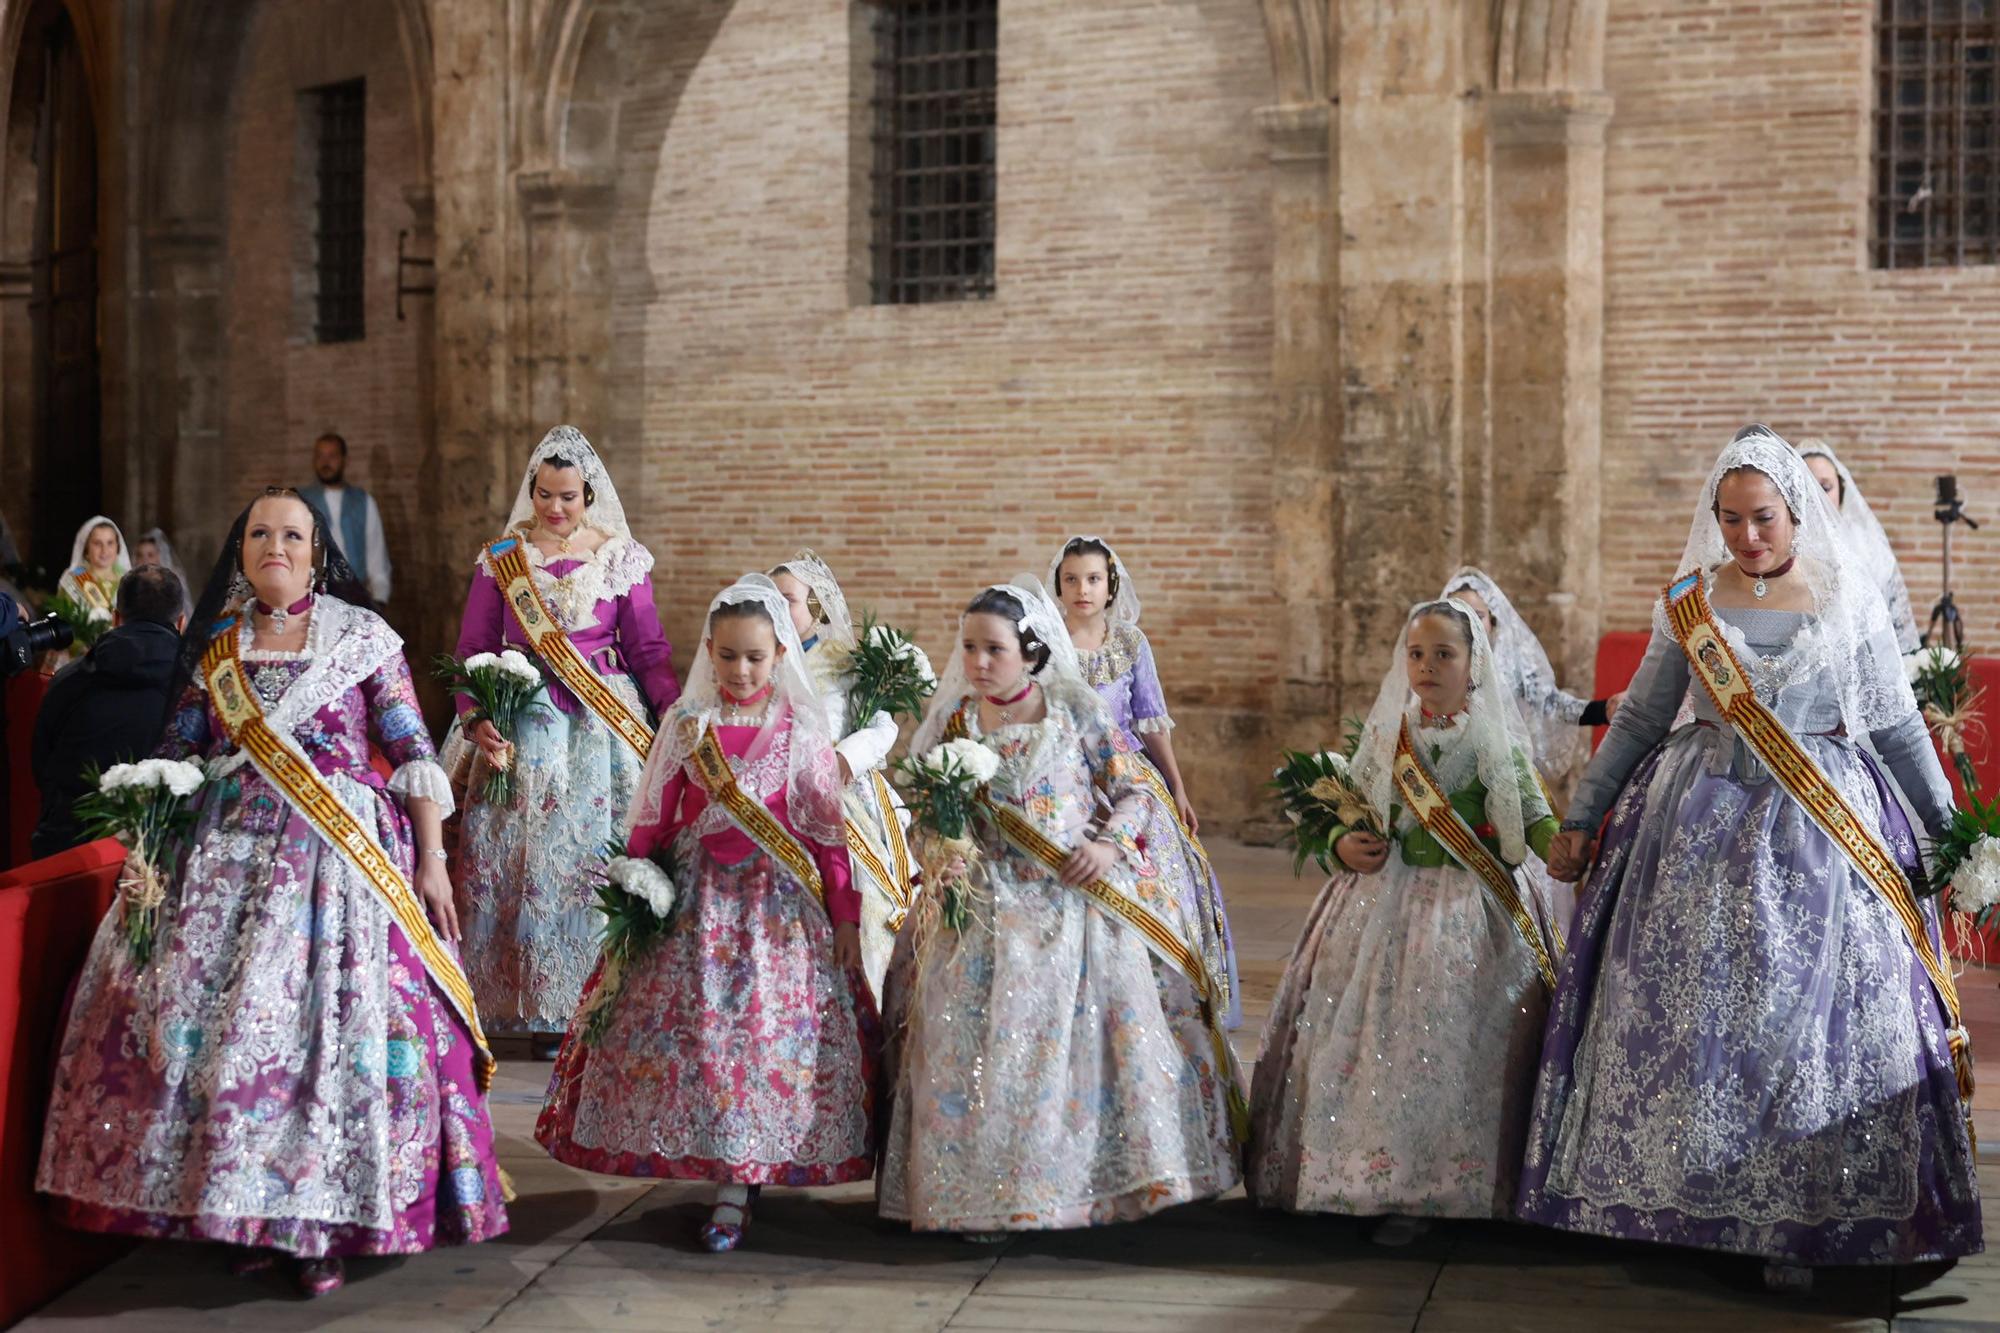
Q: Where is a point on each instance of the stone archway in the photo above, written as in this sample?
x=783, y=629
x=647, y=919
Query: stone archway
x=1438, y=271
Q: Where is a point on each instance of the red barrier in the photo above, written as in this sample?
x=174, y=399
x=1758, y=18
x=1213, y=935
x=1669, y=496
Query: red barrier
x=49, y=910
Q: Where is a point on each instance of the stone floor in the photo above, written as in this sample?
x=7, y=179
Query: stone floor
x=588, y=1252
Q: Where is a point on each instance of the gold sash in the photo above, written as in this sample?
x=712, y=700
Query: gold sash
x=1434, y=810
x=889, y=866
x=711, y=771
x=509, y=562
x=1721, y=674
x=307, y=790
x=1150, y=779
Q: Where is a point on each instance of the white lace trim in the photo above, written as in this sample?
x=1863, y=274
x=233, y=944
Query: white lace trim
x=1147, y=726
x=344, y=646
x=424, y=780
x=609, y=572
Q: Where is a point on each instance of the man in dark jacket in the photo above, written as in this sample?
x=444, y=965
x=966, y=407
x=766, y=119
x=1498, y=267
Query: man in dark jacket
x=108, y=707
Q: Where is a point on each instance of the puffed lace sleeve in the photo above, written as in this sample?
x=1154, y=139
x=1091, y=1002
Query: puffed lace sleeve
x=1149, y=700
x=398, y=727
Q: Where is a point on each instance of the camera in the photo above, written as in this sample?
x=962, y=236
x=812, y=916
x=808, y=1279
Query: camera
x=24, y=641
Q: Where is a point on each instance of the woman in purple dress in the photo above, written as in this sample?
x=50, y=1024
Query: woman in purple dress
x=296, y=1068
x=1747, y=1050
x=529, y=866
x=1100, y=606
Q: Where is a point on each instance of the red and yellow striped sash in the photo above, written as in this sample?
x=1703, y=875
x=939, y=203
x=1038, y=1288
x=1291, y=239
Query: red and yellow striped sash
x=307, y=790
x=889, y=866
x=509, y=562
x=710, y=768
x=1715, y=664
x=1434, y=810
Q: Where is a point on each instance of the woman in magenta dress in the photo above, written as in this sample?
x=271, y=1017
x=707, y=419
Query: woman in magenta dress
x=741, y=1046
x=292, y=1071
x=526, y=865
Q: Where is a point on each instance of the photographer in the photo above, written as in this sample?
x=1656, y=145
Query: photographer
x=108, y=707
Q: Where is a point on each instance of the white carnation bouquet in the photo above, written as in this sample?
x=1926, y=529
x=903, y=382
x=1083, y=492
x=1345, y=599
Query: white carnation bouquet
x=1966, y=860
x=150, y=807
x=943, y=788
x=502, y=687
x=636, y=896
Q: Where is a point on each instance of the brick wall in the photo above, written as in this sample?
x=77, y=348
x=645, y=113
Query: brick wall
x=1738, y=289
x=1119, y=383
x=281, y=387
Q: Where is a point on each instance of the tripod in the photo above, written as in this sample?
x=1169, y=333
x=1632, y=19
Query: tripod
x=1947, y=629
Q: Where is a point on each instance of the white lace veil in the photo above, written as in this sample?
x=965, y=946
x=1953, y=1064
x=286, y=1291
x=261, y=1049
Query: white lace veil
x=1849, y=634
x=1125, y=607
x=1483, y=743
x=169, y=560
x=76, y=548
x=567, y=443
x=814, y=803
x=1557, y=742
x=837, y=625
x=1062, y=682
x=1870, y=542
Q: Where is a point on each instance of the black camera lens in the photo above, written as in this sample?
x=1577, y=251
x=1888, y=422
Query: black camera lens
x=19, y=650
x=1947, y=487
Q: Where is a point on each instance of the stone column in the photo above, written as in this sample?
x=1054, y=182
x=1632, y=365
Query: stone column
x=179, y=310
x=1305, y=377
x=1547, y=358
x=469, y=484
x=567, y=295
x=1401, y=212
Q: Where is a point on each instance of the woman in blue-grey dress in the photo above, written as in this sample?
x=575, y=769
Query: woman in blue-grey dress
x=1745, y=1051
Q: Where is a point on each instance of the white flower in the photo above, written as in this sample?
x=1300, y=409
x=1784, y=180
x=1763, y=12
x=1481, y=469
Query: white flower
x=643, y=880
x=99, y=616
x=916, y=654
x=515, y=664
x=116, y=776
x=969, y=757
x=1925, y=661
x=180, y=778
x=1976, y=883
x=480, y=661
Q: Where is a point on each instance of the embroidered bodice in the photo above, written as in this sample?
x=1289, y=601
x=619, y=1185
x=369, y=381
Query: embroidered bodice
x=1124, y=676
x=602, y=599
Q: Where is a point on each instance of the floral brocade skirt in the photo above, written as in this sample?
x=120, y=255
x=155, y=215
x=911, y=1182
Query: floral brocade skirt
x=283, y=1073
x=735, y=1049
x=1399, y=1058
x=1745, y=1053
x=527, y=870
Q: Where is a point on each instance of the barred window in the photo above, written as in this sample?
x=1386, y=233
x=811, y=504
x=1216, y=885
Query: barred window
x=935, y=71
x=1936, y=193
x=338, y=232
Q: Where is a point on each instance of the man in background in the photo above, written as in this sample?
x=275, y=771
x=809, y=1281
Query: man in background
x=109, y=706
x=351, y=515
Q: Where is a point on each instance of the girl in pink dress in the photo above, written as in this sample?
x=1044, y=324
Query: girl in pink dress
x=740, y=1047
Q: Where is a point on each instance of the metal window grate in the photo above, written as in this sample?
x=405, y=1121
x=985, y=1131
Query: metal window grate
x=339, y=233
x=1935, y=198
x=935, y=74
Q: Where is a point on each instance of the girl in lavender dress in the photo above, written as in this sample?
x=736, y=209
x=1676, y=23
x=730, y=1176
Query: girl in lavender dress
x=1399, y=1058
x=528, y=867
x=1100, y=606
x=1748, y=1050
x=297, y=1069
x=740, y=1047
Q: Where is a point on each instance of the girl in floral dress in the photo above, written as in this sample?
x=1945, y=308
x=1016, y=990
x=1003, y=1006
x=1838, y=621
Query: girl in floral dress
x=527, y=865
x=1399, y=1057
x=1050, y=1071
x=297, y=1069
x=1100, y=606
x=741, y=1046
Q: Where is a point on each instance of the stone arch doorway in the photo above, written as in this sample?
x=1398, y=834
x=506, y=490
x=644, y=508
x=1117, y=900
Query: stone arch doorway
x=52, y=396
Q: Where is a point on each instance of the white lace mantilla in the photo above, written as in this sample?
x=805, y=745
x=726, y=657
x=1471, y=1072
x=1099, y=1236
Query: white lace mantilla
x=611, y=571
x=345, y=645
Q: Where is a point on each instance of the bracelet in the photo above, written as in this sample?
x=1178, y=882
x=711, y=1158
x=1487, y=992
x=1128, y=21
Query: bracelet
x=438, y=852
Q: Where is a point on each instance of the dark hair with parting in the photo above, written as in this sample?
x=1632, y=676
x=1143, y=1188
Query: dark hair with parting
x=150, y=594
x=1460, y=620
x=742, y=611
x=1090, y=546
x=994, y=602
x=559, y=463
